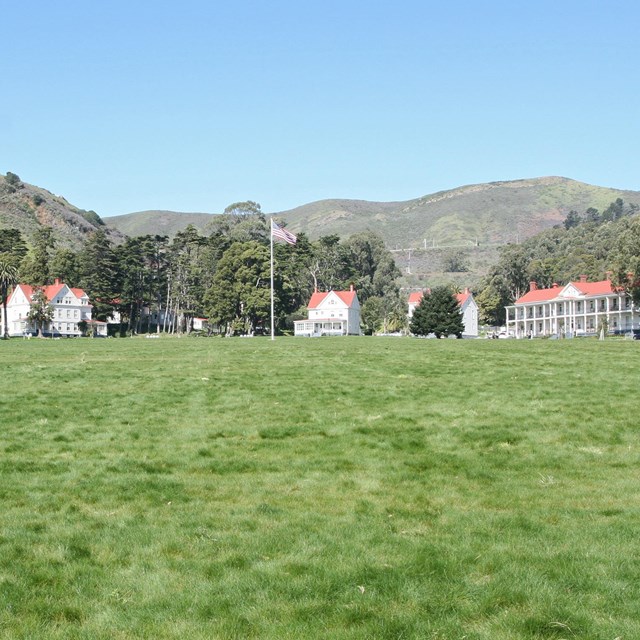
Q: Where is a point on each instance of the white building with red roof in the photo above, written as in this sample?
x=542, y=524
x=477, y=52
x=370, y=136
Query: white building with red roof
x=331, y=313
x=577, y=308
x=468, y=309
x=70, y=306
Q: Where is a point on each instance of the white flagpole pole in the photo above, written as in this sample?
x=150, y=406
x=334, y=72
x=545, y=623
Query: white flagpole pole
x=273, y=336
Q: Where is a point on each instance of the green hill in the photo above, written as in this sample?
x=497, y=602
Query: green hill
x=164, y=223
x=494, y=213
x=26, y=207
x=469, y=223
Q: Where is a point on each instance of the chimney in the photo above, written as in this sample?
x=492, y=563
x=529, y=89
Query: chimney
x=351, y=287
x=533, y=285
x=583, y=278
x=466, y=291
x=609, y=274
x=57, y=281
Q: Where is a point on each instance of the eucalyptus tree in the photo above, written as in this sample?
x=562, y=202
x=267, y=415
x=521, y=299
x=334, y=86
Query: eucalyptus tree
x=293, y=283
x=185, y=279
x=373, y=270
x=141, y=265
x=239, y=298
x=329, y=266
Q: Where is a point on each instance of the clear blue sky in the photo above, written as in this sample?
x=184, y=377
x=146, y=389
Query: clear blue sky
x=122, y=106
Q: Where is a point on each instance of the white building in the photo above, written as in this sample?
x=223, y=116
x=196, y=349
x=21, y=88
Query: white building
x=70, y=306
x=331, y=313
x=468, y=309
x=578, y=308
x=200, y=324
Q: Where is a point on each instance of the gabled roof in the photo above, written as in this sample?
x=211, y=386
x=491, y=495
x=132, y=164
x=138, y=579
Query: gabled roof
x=540, y=295
x=415, y=297
x=463, y=297
x=318, y=297
x=50, y=290
x=600, y=288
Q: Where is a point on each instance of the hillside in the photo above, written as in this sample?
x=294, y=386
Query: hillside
x=164, y=223
x=494, y=213
x=26, y=207
x=470, y=221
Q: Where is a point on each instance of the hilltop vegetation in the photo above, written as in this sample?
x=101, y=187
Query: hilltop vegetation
x=593, y=243
x=224, y=276
x=164, y=223
x=28, y=208
x=493, y=237
x=468, y=223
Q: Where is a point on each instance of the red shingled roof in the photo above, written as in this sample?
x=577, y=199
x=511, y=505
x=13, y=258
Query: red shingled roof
x=602, y=287
x=318, y=296
x=463, y=297
x=50, y=290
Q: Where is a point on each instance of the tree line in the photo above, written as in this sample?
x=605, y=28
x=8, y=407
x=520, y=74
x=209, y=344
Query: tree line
x=161, y=284
x=595, y=244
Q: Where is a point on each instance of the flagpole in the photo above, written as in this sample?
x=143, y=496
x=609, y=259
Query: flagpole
x=273, y=337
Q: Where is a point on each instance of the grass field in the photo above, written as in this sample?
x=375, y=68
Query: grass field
x=334, y=488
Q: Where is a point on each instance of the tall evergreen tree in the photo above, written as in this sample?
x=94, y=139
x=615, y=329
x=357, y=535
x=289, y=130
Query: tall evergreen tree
x=12, y=246
x=185, y=279
x=36, y=269
x=99, y=274
x=240, y=296
x=65, y=265
x=437, y=313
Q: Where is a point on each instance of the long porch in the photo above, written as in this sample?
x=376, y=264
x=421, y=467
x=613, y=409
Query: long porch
x=320, y=327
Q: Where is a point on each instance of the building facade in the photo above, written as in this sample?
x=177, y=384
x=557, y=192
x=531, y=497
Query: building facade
x=331, y=313
x=70, y=306
x=576, y=309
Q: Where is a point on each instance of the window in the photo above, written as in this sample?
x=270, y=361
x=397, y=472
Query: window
x=560, y=308
x=68, y=313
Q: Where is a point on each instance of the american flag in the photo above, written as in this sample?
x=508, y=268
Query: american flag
x=281, y=233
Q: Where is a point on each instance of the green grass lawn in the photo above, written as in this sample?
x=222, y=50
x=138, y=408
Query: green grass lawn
x=334, y=488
